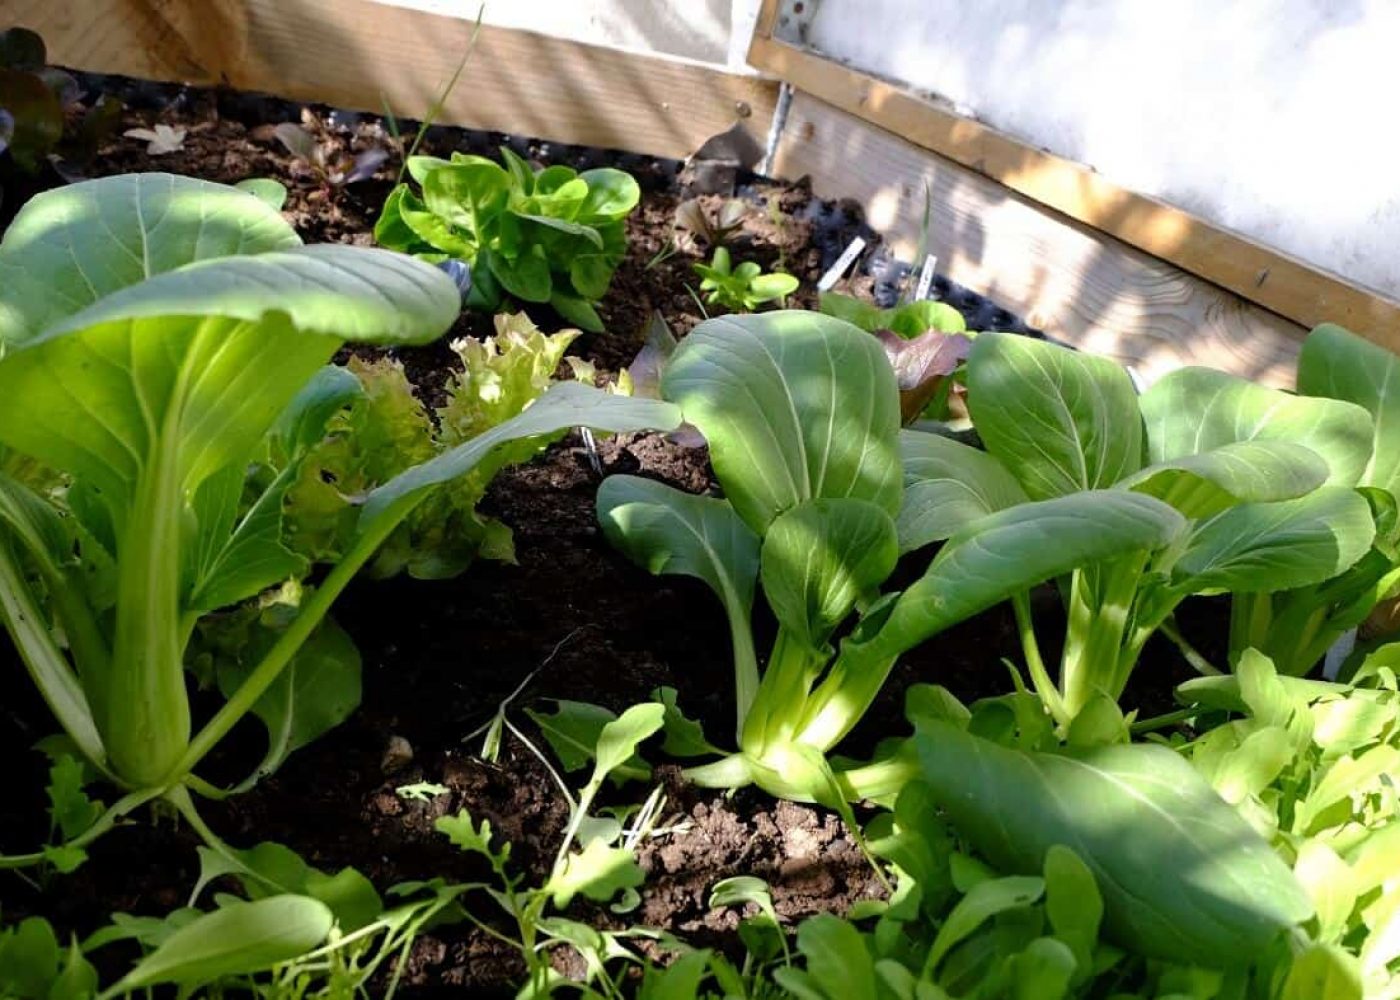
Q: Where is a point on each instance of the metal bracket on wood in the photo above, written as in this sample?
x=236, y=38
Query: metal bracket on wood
x=793, y=20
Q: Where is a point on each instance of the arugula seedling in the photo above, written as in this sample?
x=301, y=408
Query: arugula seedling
x=743, y=288
x=333, y=170
x=603, y=867
x=550, y=236
x=801, y=412
x=103, y=584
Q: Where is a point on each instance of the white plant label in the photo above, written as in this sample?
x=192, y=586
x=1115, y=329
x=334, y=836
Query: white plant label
x=842, y=265
x=925, y=285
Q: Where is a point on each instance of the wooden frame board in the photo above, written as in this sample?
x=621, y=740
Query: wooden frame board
x=1070, y=280
x=1295, y=290
x=363, y=55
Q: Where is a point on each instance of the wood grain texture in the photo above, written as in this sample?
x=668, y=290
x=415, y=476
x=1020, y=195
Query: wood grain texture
x=363, y=55
x=1283, y=284
x=1075, y=283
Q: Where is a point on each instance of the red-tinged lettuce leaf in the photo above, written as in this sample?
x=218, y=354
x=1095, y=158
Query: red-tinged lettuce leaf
x=921, y=365
x=37, y=114
x=22, y=49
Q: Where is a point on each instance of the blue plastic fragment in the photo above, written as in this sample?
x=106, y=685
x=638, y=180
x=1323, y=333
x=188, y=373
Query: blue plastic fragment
x=461, y=273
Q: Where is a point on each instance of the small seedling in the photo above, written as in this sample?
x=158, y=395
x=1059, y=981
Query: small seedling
x=668, y=249
x=421, y=791
x=159, y=139
x=743, y=288
x=713, y=230
x=332, y=169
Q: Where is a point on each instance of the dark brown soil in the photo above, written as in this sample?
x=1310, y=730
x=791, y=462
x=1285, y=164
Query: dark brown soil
x=440, y=656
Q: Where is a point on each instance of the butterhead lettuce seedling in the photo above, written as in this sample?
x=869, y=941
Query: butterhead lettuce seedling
x=150, y=399
x=801, y=412
x=553, y=235
x=386, y=429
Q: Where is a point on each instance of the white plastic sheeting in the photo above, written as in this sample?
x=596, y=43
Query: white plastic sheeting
x=1271, y=117
x=710, y=31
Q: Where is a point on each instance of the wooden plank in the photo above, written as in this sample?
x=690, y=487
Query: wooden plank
x=361, y=55
x=1071, y=281
x=1281, y=283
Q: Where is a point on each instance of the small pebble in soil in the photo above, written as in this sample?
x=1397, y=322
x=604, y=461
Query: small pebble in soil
x=398, y=754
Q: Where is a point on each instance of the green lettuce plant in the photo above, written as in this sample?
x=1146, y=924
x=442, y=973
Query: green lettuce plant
x=908, y=319
x=385, y=430
x=151, y=400
x=1262, y=482
x=550, y=236
x=743, y=288
x=801, y=412
x=1295, y=627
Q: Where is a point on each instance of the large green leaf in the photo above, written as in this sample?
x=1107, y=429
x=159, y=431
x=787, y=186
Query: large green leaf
x=1015, y=549
x=1059, y=419
x=668, y=531
x=153, y=389
x=71, y=246
x=1264, y=547
x=947, y=486
x=992, y=559
x=1340, y=365
x=466, y=195
x=238, y=939
x=205, y=358
x=233, y=562
x=820, y=559
x=795, y=406
x=1194, y=410
x=562, y=406
x=317, y=692
x=527, y=277
x=612, y=194
x=1182, y=875
x=1206, y=483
